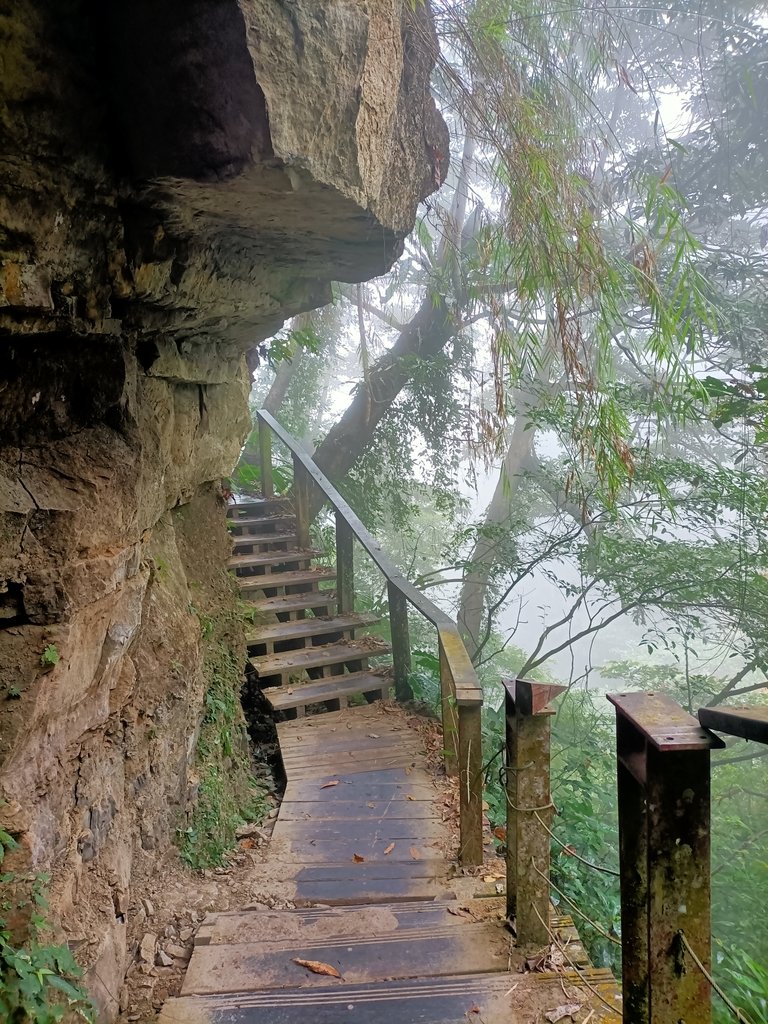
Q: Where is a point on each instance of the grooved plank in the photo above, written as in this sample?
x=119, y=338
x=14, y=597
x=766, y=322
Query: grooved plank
x=316, y=657
x=295, y=602
x=257, y=506
x=350, y=810
x=364, y=833
x=348, y=760
x=283, y=928
x=243, y=968
x=345, y=848
x=315, y=626
x=281, y=698
x=292, y=578
x=264, y=558
x=501, y=998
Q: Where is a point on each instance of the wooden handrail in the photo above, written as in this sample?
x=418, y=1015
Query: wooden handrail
x=461, y=693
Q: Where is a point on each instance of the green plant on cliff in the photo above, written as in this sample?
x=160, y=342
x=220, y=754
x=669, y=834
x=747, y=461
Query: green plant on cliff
x=39, y=982
x=228, y=795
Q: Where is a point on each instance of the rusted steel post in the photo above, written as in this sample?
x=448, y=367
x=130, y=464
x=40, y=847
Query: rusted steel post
x=529, y=807
x=265, y=460
x=470, y=784
x=301, y=485
x=345, y=567
x=663, y=770
x=449, y=712
x=401, y=641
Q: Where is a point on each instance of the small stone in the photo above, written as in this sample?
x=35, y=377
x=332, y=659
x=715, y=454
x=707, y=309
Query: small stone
x=273, y=813
x=185, y=934
x=179, y=952
x=162, y=959
x=170, y=932
x=149, y=907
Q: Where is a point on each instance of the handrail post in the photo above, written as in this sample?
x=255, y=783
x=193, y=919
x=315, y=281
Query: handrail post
x=449, y=713
x=301, y=484
x=345, y=567
x=529, y=807
x=470, y=784
x=265, y=460
x=663, y=767
x=401, y=641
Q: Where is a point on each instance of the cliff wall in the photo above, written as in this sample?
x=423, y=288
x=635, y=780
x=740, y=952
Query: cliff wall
x=177, y=178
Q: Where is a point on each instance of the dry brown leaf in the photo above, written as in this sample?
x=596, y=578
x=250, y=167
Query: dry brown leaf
x=414, y=853
x=317, y=967
x=500, y=832
x=409, y=797
x=389, y=849
x=327, y=785
x=370, y=804
x=408, y=769
x=560, y=1012
x=473, y=1009
x=357, y=858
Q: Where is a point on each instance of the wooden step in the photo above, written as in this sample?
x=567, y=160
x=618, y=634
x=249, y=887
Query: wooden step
x=305, y=926
x=292, y=578
x=259, y=524
x=500, y=998
x=242, y=968
x=318, y=691
x=256, y=506
x=296, y=662
x=307, y=628
x=291, y=556
x=247, y=543
x=294, y=602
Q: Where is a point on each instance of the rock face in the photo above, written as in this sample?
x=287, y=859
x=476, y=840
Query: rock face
x=177, y=179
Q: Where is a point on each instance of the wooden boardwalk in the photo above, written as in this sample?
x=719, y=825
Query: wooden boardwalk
x=360, y=847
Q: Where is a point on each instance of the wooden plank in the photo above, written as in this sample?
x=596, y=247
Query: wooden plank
x=295, y=602
x=365, y=832
x=345, y=761
x=257, y=507
x=341, y=810
x=244, y=968
x=300, y=694
x=316, y=626
x=343, y=849
x=315, y=657
x=289, y=556
x=279, y=580
x=251, y=540
x=282, y=928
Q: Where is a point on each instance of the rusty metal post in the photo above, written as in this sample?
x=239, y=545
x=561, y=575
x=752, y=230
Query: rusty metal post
x=345, y=567
x=265, y=460
x=449, y=712
x=401, y=641
x=664, y=842
x=470, y=783
x=529, y=804
x=301, y=485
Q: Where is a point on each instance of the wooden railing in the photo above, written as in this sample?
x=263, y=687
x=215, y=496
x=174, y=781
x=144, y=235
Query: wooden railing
x=461, y=696
x=663, y=775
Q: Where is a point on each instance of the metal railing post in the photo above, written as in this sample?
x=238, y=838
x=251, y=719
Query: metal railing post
x=301, y=484
x=449, y=712
x=265, y=460
x=470, y=784
x=529, y=807
x=345, y=567
x=401, y=641
x=663, y=771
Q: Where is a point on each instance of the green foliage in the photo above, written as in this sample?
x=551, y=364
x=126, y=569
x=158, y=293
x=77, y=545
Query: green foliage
x=228, y=796
x=39, y=982
x=50, y=656
x=747, y=980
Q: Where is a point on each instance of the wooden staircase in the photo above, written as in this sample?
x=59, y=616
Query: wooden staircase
x=302, y=650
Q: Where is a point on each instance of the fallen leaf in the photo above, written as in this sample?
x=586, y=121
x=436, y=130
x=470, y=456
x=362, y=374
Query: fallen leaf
x=370, y=804
x=500, y=832
x=389, y=849
x=409, y=797
x=327, y=785
x=559, y=1012
x=373, y=735
x=317, y=967
x=408, y=769
x=569, y=850
x=414, y=853
x=357, y=858
x=474, y=1008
